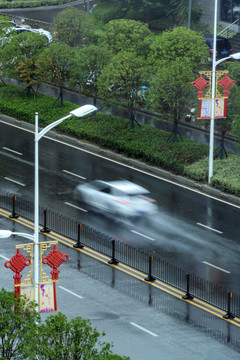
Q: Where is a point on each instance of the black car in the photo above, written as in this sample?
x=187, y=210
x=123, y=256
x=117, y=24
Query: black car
x=223, y=46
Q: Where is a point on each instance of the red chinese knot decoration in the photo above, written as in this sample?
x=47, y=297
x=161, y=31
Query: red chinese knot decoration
x=226, y=82
x=200, y=84
x=17, y=264
x=54, y=259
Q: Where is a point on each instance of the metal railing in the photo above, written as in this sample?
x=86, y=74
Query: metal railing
x=230, y=30
x=210, y=292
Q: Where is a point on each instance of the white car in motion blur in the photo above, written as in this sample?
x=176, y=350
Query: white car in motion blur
x=119, y=198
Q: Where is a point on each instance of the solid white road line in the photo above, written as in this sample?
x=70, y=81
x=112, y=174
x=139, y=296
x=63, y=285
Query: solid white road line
x=70, y=292
x=145, y=236
x=216, y=267
x=209, y=228
x=13, y=151
x=4, y=257
x=143, y=329
x=74, y=206
x=14, y=181
x=71, y=173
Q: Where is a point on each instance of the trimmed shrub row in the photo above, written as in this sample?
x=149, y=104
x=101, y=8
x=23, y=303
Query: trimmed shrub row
x=226, y=175
x=30, y=4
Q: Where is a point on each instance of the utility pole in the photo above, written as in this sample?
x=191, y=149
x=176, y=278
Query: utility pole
x=189, y=14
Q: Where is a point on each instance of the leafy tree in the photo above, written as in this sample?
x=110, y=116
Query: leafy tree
x=232, y=122
x=234, y=69
x=19, y=53
x=23, y=336
x=73, y=340
x=153, y=11
x=26, y=71
x=127, y=35
x=6, y=30
x=178, y=10
x=122, y=79
x=54, y=65
x=18, y=326
x=72, y=27
x=5, y=36
x=88, y=65
x=179, y=44
x=144, y=10
x=169, y=89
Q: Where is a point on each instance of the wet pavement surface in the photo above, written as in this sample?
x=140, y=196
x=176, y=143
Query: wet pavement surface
x=173, y=233
x=142, y=322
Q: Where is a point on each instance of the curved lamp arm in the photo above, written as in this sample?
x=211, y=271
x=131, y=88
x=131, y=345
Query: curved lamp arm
x=233, y=56
x=7, y=233
x=79, y=112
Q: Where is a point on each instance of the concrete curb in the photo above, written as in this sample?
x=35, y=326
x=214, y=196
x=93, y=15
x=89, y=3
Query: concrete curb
x=136, y=164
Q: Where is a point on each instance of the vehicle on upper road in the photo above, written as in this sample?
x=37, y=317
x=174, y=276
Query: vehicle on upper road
x=18, y=26
x=15, y=28
x=119, y=198
x=43, y=32
x=223, y=46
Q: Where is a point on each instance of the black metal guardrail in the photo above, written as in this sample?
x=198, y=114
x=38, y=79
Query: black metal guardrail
x=156, y=268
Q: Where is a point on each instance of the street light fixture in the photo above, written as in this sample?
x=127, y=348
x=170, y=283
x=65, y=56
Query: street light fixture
x=233, y=56
x=4, y=234
x=79, y=112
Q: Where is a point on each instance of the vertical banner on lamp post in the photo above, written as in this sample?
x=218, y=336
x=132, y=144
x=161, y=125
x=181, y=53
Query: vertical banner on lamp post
x=203, y=84
x=220, y=109
x=205, y=109
x=28, y=292
x=47, y=297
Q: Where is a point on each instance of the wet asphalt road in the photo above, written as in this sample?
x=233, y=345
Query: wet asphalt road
x=141, y=321
x=192, y=231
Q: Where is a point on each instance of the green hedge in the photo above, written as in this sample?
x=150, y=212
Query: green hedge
x=15, y=102
x=30, y=3
x=146, y=143
x=226, y=173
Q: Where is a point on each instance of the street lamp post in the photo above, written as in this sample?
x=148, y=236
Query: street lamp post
x=79, y=112
x=189, y=14
x=214, y=64
x=211, y=144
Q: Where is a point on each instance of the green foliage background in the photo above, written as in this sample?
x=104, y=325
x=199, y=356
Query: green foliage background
x=4, y=4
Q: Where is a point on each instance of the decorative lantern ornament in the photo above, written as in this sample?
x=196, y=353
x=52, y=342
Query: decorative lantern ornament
x=47, y=287
x=17, y=264
x=204, y=82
